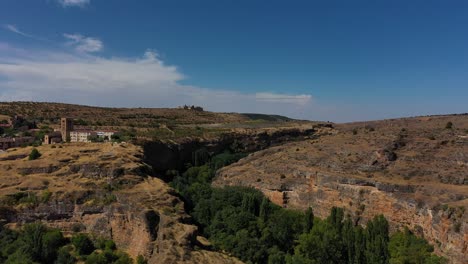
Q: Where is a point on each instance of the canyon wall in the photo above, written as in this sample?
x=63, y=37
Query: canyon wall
x=171, y=155
x=414, y=172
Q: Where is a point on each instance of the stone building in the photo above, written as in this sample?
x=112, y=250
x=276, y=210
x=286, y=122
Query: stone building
x=6, y=143
x=66, y=126
x=53, y=138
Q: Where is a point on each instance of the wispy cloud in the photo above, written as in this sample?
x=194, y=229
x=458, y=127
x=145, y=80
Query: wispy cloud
x=84, y=44
x=14, y=29
x=145, y=81
x=69, y=3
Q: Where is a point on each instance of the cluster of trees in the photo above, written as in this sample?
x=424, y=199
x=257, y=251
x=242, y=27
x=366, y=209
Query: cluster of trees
x=243, y=222
x=35, y=243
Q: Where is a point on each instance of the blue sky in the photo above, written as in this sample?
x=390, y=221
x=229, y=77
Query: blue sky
x=320, y=60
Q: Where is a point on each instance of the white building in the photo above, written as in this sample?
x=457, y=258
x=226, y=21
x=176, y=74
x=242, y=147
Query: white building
x=105, y=134
x=81, y=135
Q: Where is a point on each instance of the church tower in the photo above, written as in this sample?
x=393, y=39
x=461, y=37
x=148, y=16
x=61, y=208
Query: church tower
x=66, y=125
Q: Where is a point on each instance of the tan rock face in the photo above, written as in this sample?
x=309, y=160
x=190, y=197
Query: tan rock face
x=101, y=189
x=395, y=168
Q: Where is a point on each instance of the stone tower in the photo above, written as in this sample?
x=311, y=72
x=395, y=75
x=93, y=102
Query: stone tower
x=66, y=125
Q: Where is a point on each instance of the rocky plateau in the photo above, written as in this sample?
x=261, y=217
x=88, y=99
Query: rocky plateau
x=414, y=171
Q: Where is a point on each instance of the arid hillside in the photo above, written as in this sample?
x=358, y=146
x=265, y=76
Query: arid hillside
x=412, y=170
x=147, y=123
x=102, y=190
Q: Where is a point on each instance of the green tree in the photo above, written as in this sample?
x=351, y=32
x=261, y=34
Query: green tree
x=82, y=243
x=64, y=256
x=309, y=220
x=359, y=246
x=348, y=236
x=32, y=237
x=377, y=241
x=265, y=210
x=276, y=256
x=321, y=245
x=35, y=154
x=285, y=227
x=51, y=242
x=249, y=204
x=19, y=257
x=406, y=248
x=336, y=218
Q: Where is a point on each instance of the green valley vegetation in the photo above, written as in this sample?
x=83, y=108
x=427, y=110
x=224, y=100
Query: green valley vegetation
x=35, y=243
x=244, y=223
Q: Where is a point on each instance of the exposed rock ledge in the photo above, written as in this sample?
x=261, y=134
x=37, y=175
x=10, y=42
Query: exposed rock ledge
x=296, y=176
x=143, y=215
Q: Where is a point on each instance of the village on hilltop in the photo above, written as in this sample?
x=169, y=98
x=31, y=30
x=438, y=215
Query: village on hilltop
x=67, y=133
x=18, y=132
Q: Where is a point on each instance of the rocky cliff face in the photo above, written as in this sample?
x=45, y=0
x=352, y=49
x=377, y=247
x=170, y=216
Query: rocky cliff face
x=170, y=155
x=414, y=172
x=104, y=190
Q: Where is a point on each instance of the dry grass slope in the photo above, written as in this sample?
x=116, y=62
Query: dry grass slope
x=102, y=189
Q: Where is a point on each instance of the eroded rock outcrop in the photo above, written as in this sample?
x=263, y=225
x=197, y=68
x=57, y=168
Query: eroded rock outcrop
x=392, y=168
x=103, y=190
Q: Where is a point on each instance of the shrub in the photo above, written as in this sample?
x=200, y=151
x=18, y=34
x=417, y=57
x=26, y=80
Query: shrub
x=449, y=125
x=141, y=260
x=45, y=197
x=77, y=227
x=64, y=256
x=83, y=245
x=35, y=154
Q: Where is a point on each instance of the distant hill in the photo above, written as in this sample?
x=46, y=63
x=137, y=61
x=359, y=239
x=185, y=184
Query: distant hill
x=265, y=117
x=160, y=123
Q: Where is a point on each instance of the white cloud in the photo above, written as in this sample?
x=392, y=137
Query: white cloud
x=84, y=44
x=68, y=3
x=126, y=82
x=14, y=29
